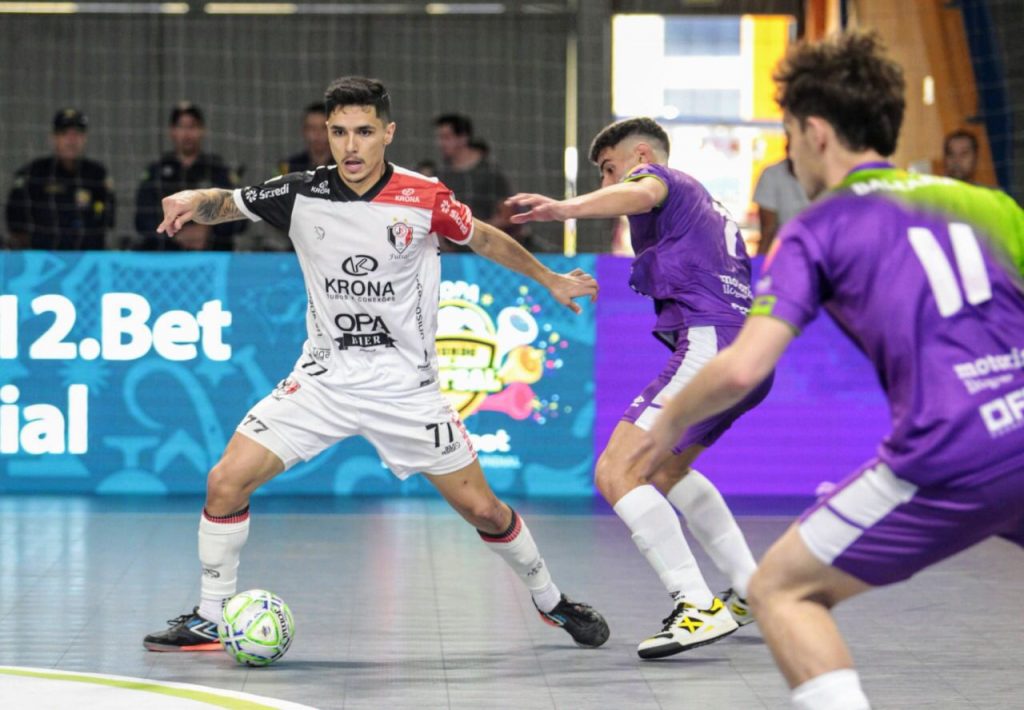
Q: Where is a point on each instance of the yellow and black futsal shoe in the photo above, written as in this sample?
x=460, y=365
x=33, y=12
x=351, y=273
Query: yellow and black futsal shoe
x=737, y=606
x=689, y=627
x=587, y=628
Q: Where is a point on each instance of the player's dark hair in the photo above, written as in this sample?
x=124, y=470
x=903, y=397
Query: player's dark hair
x=461, y=125
x=358, y=91
x=960, y=133
x=848, y=81
x=316, y=107
x=610, y=136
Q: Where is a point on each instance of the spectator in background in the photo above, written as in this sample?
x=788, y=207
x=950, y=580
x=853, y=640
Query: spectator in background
x=779, y=198
x=63, y=201
x=314, y=134
x=960, y=155
x=184, y=168
x=426, y=167
x=474, y=179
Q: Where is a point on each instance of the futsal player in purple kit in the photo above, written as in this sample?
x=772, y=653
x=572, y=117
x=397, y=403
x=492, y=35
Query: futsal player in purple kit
x=692, y=262
x=916, y=270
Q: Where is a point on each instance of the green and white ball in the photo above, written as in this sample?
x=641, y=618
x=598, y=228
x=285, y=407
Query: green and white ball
x=257, y=627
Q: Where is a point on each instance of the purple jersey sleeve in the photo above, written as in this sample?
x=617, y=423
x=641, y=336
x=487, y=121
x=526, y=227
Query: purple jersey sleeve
x=791, y=285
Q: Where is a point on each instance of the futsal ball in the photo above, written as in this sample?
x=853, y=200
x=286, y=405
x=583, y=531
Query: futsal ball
x=257, y=627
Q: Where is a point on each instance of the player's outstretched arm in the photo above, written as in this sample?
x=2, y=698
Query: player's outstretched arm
x=492, y=243
x=624, y=198
x=723, y=382
x=211, y=206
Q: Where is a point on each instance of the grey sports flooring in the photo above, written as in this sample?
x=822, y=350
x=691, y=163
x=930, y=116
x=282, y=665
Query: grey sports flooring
x=399, y=605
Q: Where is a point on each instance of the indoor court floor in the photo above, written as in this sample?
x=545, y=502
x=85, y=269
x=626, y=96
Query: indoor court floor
x=399, y=605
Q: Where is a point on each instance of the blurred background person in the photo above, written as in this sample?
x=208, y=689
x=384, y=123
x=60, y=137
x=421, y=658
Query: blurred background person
x=62, y=201
x=779, y=198
x=473, y=177
x=186, y=167
x=314, y=135
x=426, y=167
x=960, y=155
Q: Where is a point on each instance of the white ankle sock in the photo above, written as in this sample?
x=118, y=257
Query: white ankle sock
x=656, y=532
x=220, y=545
x=835, y=690
x=516, y=546
x=712, y=523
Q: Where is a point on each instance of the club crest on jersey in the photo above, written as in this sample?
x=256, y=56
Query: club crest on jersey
x=399, y=236
x=286, y=387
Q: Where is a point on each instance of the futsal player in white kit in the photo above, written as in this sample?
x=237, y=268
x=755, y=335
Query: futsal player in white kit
x=366, y=235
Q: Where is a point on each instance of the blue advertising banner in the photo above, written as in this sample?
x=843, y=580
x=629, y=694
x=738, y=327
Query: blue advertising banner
x=127, y=373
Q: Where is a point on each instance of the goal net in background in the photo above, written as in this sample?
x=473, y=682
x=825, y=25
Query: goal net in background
x=534, y=77
x=126, y=65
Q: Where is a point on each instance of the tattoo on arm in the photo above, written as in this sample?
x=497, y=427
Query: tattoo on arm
x=216, y=206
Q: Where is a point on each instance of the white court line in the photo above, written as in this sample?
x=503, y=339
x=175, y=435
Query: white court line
x=31, y=688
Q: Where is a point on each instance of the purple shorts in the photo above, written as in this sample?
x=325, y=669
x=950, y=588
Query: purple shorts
x=882, y=529
x=694, y=348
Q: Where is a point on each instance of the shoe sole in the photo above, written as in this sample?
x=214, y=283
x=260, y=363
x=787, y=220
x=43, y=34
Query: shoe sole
x=598, y=644
x=671, y=649
x=579, y=643
x=167, y=648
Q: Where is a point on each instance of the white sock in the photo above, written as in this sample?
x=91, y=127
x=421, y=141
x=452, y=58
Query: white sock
x=220, y=545
x=516, y=546
x=835, y=690
x=712, y=523
x=656, y=531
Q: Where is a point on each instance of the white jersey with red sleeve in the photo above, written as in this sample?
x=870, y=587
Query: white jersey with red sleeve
x=372, y=270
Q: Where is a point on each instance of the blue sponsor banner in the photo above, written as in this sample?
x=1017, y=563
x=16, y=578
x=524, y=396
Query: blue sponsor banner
x=127, y=373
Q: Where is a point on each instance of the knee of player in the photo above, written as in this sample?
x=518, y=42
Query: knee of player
x=604, y=471
x=759, y=590
x=224, y=481
x=610, y=473
x=488, y=514
x=769, y=585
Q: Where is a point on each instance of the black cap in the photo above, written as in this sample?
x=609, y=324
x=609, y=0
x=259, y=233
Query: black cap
x=187, y=108
x=69, y=118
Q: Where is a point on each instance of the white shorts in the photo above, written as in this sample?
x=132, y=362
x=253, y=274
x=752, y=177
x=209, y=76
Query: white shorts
x=412, y=432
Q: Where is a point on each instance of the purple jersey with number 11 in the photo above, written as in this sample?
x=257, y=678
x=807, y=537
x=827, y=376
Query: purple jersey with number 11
x=907, y=268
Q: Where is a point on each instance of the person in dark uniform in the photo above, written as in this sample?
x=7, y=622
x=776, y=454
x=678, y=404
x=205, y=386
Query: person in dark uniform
x=184, y=168
x=63, y=201
x=314, y=134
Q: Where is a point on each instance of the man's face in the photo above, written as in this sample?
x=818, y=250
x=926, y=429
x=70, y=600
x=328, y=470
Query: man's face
x=314, y=133
x=616, y=161
x=961, y=159
x=808, y=163
x=358, y=138
x=69, y=144
x=187, y=135
x=448, y=141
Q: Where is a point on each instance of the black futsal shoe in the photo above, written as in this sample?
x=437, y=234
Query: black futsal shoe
x=188, y=632
x=587, y=628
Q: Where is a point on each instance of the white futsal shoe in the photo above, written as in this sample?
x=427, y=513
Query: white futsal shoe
x=689, y=627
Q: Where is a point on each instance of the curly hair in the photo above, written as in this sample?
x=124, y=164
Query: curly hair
x=848, y=81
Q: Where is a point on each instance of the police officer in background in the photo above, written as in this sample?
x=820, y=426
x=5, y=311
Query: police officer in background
x=184, y=168
x=63, y=201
